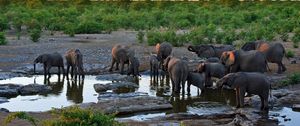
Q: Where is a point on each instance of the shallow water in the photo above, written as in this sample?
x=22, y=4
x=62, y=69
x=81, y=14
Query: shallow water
x=66, y=93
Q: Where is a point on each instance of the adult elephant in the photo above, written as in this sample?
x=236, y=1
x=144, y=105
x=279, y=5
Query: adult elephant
x=178, y=71
x=48, y=61
x=207, y=51
x=246, y=61
x=274, y=52
x=163, y=50
x=120, y=55
x=250, y=82
x=74, y=61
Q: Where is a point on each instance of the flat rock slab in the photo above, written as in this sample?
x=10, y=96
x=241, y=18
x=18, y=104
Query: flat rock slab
x=3, y=100
x=33, y=89
x=130, y=105
x=7, y=75
x=114, y=86
x=115, y=77
x=9, y=90
x=112, y=96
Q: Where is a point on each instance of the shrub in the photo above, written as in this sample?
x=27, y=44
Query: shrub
x=154, y=37
x=296, y=38
x=3, y=23
x=70, y=29
x=89, y=27
x=35, y=34
x=291, y=79
x=2, y=39
x=196, y=36
x=290, y=54
x=140, y=36
x=20, y=115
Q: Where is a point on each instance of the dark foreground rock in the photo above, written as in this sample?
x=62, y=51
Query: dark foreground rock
x=115, y=77
x=129, y=105
x=114, y=86
x=33, y=89
x=9, y=90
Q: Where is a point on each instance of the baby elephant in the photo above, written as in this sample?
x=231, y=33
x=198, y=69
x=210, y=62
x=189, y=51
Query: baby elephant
x=154, y=66
x=50, y=60
x=133, y=68
x=74, y=60
x=217, y=70
x=250, y=82
x=195, y=79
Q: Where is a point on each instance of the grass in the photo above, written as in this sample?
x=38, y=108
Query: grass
x=292, y=79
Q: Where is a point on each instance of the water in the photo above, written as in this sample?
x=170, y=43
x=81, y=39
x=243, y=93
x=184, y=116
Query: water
x=66, y=93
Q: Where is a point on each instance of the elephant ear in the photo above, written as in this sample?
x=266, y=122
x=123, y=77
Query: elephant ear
x=166, y=62
x=157, y=47
x=248, y=46
x=230, y=58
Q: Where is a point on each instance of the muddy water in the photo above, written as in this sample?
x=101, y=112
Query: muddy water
x=66, y=93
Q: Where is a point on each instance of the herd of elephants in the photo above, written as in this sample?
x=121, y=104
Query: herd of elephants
x=241, y=69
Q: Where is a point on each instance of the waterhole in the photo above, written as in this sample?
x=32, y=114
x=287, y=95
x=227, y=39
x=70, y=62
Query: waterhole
x=65, y=93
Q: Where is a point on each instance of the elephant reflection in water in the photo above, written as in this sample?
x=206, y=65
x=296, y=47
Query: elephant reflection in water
x=57, y=86
x=161, y=87
x=75, y=91
x=180, y=103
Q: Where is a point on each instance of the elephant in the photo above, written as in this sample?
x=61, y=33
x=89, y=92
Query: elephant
x=133, y=68
x=217, y=70
x=74, y=61
x=195, y=79
x=178, y=72
x=48, y=61
x=154, y=66
x=212, y=60
x=207, y=51
x=250, y=82
x=274, y=52
x=163, y=50
x=120, y=54
x=244, y=61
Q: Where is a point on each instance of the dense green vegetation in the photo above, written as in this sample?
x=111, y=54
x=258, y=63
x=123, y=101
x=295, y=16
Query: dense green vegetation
x=205, y=22
x=72, y=116
x=292, y=79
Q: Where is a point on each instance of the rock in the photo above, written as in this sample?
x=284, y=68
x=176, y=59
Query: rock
x=280, y=93
x=115, y=77
x=33, y=89
x=3, y=100
x=292, y=98
x=111, y=96
x=293, y=61
x=114, y=86
x=4, y=110
x=7, y=75
x=296, y=107
x=275, y=79
x=254, y=101
x=9, y=90
x=86, y=105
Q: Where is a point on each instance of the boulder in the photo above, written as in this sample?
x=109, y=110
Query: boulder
x=33, y=89
x=9, y=90
x=114, y=86
x=115, y=77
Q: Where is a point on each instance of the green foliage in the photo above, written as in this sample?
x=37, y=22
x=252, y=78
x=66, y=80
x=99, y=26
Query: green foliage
x=3, y=23
x=3, y=40
x=35, y=35
x=70, y=29
x=292, y=79
x=290, y=54
x=74, y=116
x=154, y=37
x=140, y=36
x=20, y=115
x=296, y=38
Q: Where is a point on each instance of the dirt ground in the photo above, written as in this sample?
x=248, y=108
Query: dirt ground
x=96, y=49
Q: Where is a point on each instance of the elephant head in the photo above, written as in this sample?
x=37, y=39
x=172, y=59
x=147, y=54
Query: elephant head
x=40, y=59
x=228, y=58
x=228, y=80
x=248, y=46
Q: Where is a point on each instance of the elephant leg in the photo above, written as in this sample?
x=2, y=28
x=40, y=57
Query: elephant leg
x=237, y=93
x=58, y=74
x=183, y=87
x=48, y=70
x=242, y=95
x=122, y=68
x=283, y=67
x=45, y=71
x=279, y=71
x=63, y=70
x=112, y=64
x=72, y=71
x=189, y=88
x=262, y=102
x=68, y=69
x=117, y=66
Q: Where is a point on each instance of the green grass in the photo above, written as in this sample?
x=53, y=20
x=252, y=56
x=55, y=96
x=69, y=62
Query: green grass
x=71, y=116
x=209, y=22
x=292, y=79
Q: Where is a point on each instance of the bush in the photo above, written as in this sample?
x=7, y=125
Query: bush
x=290, y=54
x=70, y=29
x=154, y=37
x=20, y=115
x=35, y=34
x=3, y=23
x=140, y=36
x=291, y=79
x=2, y=39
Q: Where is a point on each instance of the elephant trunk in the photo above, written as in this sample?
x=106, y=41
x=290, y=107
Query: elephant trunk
x=34, y=68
